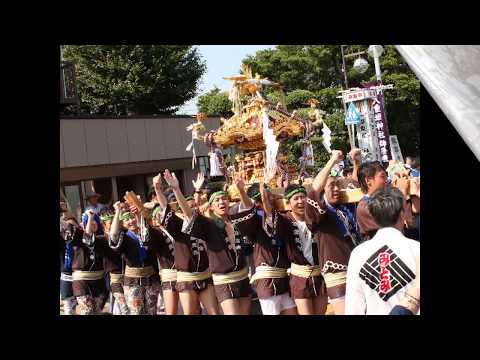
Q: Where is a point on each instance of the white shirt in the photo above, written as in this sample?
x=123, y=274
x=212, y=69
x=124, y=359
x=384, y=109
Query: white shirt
x=306, y=239
x=96, y=209
x=379, y=271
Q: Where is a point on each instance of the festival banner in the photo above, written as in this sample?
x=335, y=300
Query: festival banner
x=396, y=151
x=381, y=124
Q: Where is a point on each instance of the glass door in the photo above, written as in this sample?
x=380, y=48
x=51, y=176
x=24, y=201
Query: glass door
x=74, y=197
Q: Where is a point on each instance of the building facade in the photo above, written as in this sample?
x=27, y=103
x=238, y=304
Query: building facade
x=111, y=155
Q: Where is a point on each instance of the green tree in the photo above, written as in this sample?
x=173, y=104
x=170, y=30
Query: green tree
x=143, y=79
x=215, y=103
x=297, y=98
x=318, y=69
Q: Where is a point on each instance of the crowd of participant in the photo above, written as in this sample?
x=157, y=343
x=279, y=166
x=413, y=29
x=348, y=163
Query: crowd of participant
x=207, y=255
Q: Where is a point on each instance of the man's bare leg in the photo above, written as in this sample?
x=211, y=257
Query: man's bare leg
x=170, y=298
x=291, y=311
x=231, y=307
x=305, y=306
x=190, y=302
x=320, y=304
x=245, y=304
x=338, y=305
x=209, y=300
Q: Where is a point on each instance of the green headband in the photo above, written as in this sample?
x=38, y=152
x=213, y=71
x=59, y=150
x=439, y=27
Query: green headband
x=106, y=218
x=334, y=173
x=188, y=198
x=156, y=211
x=216, y=194
x=257, y=196
x=126, y=216
x=295, y=191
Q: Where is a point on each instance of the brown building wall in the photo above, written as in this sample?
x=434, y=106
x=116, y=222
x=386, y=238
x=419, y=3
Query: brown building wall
x=93, y=142
x=125, y=150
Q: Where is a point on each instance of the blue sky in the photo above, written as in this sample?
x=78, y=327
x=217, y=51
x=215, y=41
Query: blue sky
x=221, y=60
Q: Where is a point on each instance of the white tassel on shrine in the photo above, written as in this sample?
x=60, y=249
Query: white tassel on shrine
x=327, y=138
x=271, y=147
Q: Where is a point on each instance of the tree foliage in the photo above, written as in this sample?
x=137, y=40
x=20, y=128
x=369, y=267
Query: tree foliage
x=142, y=79
x=215, y=103
x=318, y=70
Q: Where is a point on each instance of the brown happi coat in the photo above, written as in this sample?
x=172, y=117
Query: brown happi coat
x=89, y=254
x=266, y=251
x=113, y=263
x=164, y=248
x=288, y=231
x=223, y=257
x=130, y=250
x=190, y=252
x=334, y=249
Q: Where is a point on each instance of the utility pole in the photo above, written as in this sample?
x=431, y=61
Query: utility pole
x=375, y=51
x=351, y=134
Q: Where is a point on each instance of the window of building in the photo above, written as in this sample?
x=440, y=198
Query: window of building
x=103, y=186
x=74, y=197
x=204, y=165
x=124, y=184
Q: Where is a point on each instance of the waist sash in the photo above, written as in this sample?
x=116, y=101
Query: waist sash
x=168, y=275
x=65, y=277
x=116, y=278
x=141, y=272
x=231, y=277
x=87, y=275
x=268, y=272
x=335, y=279
x=183, y=276
x=305, y=271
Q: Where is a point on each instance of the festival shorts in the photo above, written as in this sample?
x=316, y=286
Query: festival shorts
x=169, y=285
x=238, y=289
x=266, y=288
x=306, y=288
x=197, y=286
x=93, y=288
x=276, y=304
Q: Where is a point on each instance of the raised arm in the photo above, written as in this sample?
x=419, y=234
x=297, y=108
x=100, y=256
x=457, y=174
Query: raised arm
x=356, y=156
x=115, y=227
x=89, y=228
x=321, y=179
x=402, y=182
x=157, y=185
x=246, y=201
x=267, y=207
x=197, y=185
x=172, y=181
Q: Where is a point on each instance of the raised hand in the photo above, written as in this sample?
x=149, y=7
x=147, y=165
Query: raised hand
x=402, y=183
x=238, y=181
x=117, y=206
x=197, y=185
x=157, y=182
x=337, y=156
x=134, y=210
x=149, y=205
x=356, y=155
x=171, y=179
